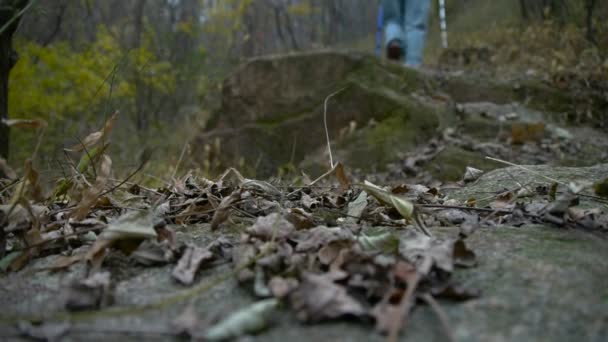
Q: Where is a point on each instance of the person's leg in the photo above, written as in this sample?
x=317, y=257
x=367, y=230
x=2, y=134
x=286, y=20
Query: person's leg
x=394, y=33
x=416, y=21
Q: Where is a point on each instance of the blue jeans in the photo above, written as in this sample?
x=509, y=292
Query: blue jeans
x=406, y=21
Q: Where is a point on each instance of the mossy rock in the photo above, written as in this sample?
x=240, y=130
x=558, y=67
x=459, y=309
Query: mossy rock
x=272, y=111
x=511, y=178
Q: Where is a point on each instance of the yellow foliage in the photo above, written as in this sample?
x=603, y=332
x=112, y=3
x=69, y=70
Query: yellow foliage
x=68, y=87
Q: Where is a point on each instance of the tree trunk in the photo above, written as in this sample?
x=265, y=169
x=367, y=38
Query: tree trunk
x=589, y=20
x=8, y=58
x=140, y=110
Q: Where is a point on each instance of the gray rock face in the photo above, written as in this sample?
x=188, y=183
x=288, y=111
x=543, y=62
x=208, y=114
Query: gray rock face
x=538, y=283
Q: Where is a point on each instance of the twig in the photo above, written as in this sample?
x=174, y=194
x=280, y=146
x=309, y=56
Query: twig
x=443, y=318
x=141, y=166
x=527, y=170
x=333, y=168
x=487, y=210
x=16, y=16
x=406, y=303
x=331, y=158
x=179, y=161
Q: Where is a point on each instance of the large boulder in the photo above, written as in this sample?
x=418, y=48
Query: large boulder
x=272, y=108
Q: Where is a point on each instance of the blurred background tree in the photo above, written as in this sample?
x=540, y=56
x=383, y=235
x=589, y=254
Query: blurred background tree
x=160, y=62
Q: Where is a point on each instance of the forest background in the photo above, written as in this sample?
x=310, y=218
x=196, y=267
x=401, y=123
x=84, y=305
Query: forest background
x=160, y=63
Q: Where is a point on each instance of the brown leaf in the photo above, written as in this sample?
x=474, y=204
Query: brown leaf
x=524, y=132
x=273, y=226
x=463, y=256
x=318, y=298
x=63, y=262
x=282, y=287
x=91, y=195
x=318, y=237
x=455, y=292
x=189, y=263
x=342, y=177
x=30, y=188
x=224, y=208
x=300, y=219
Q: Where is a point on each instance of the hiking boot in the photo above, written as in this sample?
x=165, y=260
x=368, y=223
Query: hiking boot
x=394, y=51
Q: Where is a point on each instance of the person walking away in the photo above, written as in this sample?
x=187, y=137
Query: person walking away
x=405, y=29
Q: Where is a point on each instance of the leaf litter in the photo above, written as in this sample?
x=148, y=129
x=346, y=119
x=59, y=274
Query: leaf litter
x=357, y=251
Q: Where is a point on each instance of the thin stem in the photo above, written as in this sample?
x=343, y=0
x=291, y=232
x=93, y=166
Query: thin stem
x=331, y=158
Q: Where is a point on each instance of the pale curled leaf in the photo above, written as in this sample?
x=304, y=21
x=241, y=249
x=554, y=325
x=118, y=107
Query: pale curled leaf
x=25, y=123
x=357, y=207
x=131, y=229
x=249, y=320
x=403, y=206
x=95, y=137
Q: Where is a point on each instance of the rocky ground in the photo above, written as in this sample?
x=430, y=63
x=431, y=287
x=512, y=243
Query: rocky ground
x=444, y=244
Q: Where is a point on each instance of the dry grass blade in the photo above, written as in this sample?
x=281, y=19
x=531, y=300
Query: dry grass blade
x=337, y=169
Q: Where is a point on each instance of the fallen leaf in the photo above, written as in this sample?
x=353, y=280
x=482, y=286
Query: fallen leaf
x=601, y=188
x=384, y=242
x=47, y=331
x=25, y=123
x=95, y=137
x=249, y=320
x=403, y=206
x=524, y=132
x=318, y=298
x=189, y=264
x=222, y=212
x=152, y=253
x=462, y=255
x=318, y=237
x=342, y=177
x=6, y=171
x=125, y=233
x=62, y=261
x=471, y=174
x=281, y=287
x=357, y=207
x=271, y=227
x=300, y=219
x=92, y=194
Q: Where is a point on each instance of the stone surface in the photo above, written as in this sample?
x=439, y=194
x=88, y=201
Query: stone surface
x=272, y=111
x=538, y=283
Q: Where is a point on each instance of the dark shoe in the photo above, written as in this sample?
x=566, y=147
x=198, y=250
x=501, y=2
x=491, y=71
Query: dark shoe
x=394, y=51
